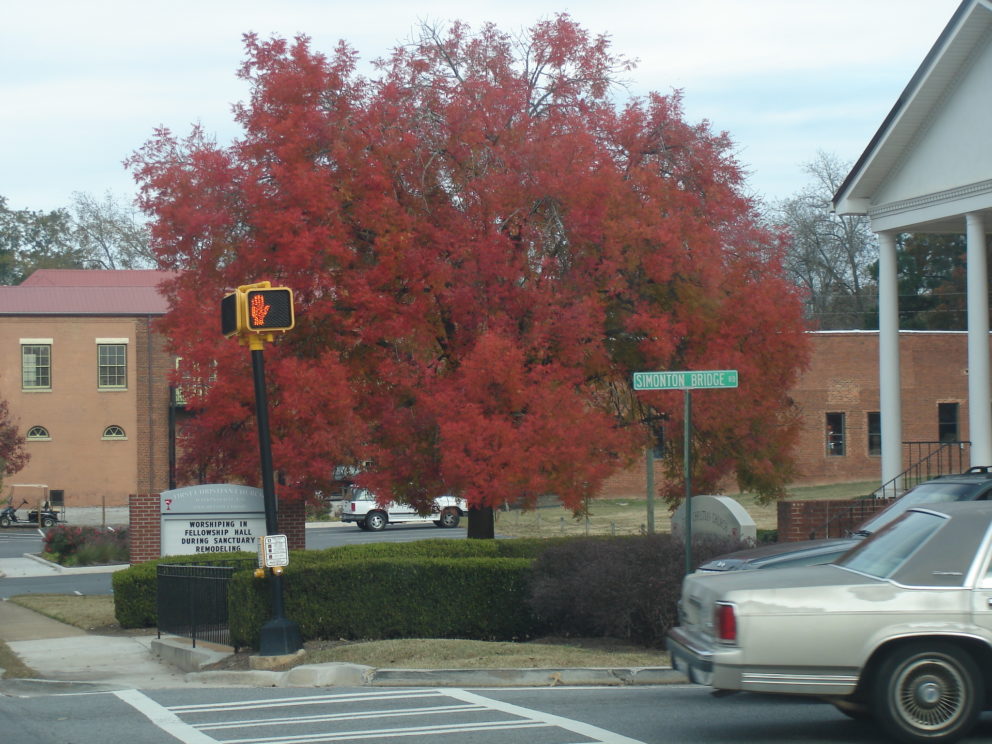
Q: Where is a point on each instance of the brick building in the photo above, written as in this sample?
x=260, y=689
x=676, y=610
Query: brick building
x=90, y=386
x=838, y=399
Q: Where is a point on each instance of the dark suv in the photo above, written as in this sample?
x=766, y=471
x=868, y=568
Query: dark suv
x=973, y=485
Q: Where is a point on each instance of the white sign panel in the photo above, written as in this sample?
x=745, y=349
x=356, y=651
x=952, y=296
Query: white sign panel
x=211, y=519
x=273, y=550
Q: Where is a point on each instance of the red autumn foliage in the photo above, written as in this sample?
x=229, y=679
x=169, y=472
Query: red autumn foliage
x=13, y=455
x=483, y=247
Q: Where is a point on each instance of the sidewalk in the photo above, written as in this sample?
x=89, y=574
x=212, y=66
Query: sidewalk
x=67, y=658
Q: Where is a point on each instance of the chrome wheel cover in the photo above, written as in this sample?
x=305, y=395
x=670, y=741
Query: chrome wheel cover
x=929, y=693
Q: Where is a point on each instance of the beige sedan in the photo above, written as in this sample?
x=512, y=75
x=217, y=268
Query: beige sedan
x=899, y=629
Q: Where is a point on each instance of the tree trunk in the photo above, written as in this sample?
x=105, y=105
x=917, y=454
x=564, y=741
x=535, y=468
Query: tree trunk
x=481, y=524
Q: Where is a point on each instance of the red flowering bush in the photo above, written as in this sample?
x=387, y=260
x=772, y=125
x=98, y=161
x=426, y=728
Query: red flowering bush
x=86, y=546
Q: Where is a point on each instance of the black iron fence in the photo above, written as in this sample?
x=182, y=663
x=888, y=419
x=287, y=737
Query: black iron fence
x=192, y=602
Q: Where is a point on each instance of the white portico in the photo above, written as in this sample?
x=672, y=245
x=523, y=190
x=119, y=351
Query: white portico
x=928, y=169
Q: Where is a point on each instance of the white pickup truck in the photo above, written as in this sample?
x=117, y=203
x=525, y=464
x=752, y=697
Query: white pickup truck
x=363, y=510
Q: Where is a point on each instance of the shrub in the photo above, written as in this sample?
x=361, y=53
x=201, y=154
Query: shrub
x=85, y=546
x=428, y=588
x=620, y=587
x=381, y=598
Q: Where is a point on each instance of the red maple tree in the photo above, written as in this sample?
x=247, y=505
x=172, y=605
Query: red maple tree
x=483, y=246
x=13, y=455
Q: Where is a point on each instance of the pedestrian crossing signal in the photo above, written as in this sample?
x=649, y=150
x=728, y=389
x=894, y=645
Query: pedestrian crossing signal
x=230, y=314
x=269, y=309
x=257, y=309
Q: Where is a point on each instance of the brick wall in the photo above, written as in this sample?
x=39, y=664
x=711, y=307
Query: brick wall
x=843, y=378
x=293, y=523
x=153, y=366
x=632, y=482
x=810, y=520
x=146, y=526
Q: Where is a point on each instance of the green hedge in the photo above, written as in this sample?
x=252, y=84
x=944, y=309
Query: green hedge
x=135, y=587
x=623, y=587
x=381, y=598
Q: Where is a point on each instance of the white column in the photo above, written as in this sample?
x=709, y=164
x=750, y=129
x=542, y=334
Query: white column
x=979, y=410
x=889, y=382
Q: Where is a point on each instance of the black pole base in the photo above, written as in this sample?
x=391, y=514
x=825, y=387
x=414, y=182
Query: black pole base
x=481, y=523
x=279, y=637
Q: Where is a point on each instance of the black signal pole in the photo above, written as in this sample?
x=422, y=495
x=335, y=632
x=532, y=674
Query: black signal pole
x=279, y=635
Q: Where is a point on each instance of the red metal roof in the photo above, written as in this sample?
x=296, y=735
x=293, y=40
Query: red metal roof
x=96, y=278
x=83, y=292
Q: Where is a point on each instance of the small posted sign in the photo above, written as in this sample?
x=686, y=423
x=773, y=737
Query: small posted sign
x=273, y=550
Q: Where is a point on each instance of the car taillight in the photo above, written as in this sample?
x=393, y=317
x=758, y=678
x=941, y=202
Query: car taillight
x=353, y=506
x=725, y=622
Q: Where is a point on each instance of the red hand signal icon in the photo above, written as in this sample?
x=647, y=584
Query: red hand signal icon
x=259, y=309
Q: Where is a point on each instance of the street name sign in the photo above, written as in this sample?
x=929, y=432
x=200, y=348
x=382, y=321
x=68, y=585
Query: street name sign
x=702, y=379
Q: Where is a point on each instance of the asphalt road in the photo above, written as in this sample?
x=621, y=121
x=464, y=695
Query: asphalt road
x=15, y=541
x=319, y=538
x=629, y=715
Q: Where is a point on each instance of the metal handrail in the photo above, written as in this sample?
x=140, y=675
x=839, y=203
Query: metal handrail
x=943, y=458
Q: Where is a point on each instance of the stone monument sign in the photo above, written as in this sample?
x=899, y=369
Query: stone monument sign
x=716, y=516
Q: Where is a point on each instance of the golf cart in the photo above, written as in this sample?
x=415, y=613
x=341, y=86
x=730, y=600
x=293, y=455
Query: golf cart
x=44, y=514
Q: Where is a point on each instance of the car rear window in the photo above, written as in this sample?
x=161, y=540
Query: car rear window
x=887, y=550
x=937, y=492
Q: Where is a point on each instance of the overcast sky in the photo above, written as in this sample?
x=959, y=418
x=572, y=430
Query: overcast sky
x=84, y=83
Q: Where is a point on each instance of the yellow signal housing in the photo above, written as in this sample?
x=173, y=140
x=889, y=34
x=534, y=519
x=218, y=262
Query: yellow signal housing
x=257, y=310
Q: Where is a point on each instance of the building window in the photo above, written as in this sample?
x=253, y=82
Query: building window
x=36, y=366
x=38, y=434
x=835, y=435
x=114, y=432
x=947, y=422
x=111, y=366
x=874, y=433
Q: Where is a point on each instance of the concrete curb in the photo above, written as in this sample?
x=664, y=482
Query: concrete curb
x=599, y=677
x=180, y=653
x=339, y=674
x=112, y=568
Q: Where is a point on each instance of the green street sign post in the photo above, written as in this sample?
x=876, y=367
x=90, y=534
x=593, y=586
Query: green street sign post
x=686, y=381
x=699, y=380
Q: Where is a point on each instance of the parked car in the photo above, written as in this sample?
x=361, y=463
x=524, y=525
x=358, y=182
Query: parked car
x=899, y=629
x=973, y=485
x=364, y=511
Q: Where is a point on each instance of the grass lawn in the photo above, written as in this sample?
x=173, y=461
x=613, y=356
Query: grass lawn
x=89, y=612
x=629, y=516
